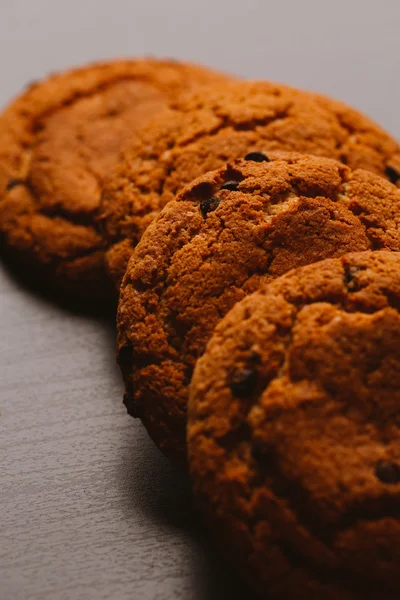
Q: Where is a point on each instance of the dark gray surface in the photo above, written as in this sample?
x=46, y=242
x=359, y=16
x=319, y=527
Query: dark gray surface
x=89, y=509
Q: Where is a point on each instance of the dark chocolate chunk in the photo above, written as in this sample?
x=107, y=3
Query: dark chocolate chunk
x=350, y=281
x=392, y=174
x=387, y=472
x=209, y=205
x=257, y=157
x=242, y=382
x=125, y=356
x=232, y=186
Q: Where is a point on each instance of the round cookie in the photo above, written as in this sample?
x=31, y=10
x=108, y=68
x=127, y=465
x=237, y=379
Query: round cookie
x=225, y=234
x=57, y=142
x=224, y=122
x=294, y=432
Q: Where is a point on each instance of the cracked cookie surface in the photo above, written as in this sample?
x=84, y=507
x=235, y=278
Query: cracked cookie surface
x=203, y=131
x=224, y=235
x=57, y=142
x=294, y=431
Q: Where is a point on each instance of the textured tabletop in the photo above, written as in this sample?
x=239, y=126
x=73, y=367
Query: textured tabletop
x=89, y=509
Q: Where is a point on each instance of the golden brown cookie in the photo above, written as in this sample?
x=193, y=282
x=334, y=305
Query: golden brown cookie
x=224, y=235
x=294, y=432
x=221, y=123
x=57, y=142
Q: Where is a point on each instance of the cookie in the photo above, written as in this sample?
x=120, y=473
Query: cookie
x=294, y=432
x=203, y=131
x=226, y=234
x=57, y=142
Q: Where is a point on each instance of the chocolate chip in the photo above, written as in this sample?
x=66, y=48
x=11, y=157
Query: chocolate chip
x=349, y=278
x=232, y=186
x=242, y=382
x=12, y=183
x=125, y=356
x=256, y=157
x=387, y=472
x=392, y=174
x=209, y=205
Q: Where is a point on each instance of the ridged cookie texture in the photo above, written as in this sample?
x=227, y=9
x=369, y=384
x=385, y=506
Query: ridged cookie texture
x=294, y=432
x=224, y=235
x=204, y=130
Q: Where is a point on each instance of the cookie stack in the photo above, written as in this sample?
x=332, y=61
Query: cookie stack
x=253, y=233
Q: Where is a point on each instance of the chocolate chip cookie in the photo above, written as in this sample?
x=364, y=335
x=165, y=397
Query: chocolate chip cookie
x=225, y=234
x=224, y=122
x=57, y=141
x=294, y=432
